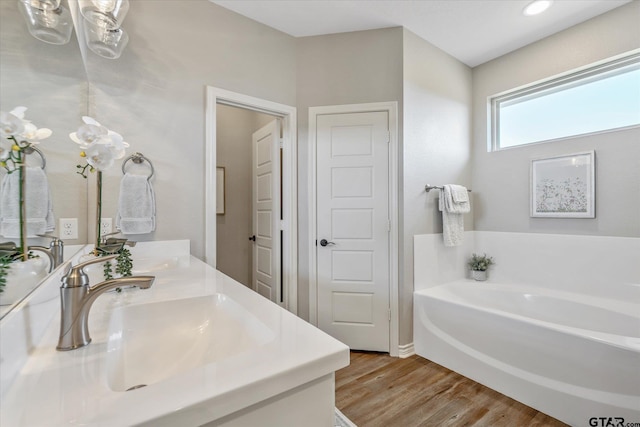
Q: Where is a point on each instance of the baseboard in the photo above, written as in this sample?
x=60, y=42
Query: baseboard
x=406, y=350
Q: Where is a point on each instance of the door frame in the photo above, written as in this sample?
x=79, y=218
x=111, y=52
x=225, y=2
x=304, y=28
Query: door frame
x=289, y=224
x=392, y=110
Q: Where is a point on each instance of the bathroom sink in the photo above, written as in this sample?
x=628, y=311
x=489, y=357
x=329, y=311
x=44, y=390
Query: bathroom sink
x=152, y=342
x=150, y=265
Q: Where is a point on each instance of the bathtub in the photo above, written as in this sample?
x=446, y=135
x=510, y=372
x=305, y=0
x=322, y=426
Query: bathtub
x=571, y=356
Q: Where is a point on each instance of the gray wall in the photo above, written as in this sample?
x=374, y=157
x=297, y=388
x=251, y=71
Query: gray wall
x=154, y=95
x=348, y=68
x=501, y=179
x=234, y=152
x=437, y=149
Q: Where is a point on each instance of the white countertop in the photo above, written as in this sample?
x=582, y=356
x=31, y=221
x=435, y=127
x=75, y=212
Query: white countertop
x=54, y=388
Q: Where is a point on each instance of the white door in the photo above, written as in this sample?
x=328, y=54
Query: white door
x=353, y=226
x=265, y=204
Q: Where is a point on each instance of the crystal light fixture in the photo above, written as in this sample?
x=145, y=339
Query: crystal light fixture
x=103, y=26
x=108, y=43
x=107, y=14
x=47, y=20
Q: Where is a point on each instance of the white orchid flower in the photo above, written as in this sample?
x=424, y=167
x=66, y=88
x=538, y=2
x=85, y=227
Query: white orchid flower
x=101, y=146
x=100, y=156
x=88, y=134
x=5, y=149
x=19, y=112
x=12, y=123
x=33, y=135
x=118, y=144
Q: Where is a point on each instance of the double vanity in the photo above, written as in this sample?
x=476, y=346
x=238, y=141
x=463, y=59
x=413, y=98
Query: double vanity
x=196, y=348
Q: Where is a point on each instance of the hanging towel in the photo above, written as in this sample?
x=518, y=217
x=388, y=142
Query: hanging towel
x=40, y=219
x=453, y=203
x=136, y=205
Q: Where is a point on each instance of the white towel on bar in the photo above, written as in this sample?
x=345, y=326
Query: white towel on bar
x=40, y=219
x=453, y=203
x=136, y=205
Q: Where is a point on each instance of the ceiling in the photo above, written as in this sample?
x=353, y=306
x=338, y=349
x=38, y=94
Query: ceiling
x=473, y=31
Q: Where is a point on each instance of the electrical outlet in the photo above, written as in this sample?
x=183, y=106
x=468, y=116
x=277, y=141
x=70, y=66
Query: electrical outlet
x=106, y=226
x=68, y=228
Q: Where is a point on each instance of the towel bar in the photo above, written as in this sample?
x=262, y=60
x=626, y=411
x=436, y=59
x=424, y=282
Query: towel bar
x=429, y=187
x=137, y=159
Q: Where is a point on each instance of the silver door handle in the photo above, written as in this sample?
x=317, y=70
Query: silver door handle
x=324, y=242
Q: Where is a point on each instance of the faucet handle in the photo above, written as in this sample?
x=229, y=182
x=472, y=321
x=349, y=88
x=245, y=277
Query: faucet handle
x=75, y=277
x=50, y=236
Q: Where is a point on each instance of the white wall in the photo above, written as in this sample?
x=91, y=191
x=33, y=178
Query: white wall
x=234, y=153
x=437, y=149
x=501, y=179
x=154, y=95
x=602, y=266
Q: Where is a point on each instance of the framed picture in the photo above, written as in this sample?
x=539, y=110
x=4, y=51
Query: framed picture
x=563, y=186
x=220, y=196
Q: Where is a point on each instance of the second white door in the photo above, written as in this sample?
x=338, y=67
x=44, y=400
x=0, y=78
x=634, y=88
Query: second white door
x=265, y=206
x=353, y=227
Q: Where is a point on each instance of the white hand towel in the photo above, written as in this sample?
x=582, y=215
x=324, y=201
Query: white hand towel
x=459, y=194
x=456, y=199
x=136, y=205
x=40, y=219
x=452, y=213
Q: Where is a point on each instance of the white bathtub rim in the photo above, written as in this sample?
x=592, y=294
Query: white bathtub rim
x=620, y=341
x=623, y=401
x=621, y=306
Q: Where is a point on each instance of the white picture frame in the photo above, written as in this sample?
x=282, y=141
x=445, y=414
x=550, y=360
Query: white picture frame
x=220, y=195
x=563, y=186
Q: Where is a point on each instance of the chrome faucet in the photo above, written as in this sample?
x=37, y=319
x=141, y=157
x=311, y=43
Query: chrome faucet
x=110, y=241
x=55, y=252
x=77, y=297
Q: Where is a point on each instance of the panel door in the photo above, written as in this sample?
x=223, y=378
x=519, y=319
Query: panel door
x=353, y=266
x=265, y=202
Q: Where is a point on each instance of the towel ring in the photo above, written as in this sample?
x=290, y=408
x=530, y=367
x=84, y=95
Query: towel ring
x=31, y=149
x=138, y=158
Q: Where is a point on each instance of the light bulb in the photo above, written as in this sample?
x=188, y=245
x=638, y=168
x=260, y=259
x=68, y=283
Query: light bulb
x=536, y=7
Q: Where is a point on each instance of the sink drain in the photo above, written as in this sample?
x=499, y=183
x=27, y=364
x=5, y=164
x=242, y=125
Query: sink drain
x=136, y=387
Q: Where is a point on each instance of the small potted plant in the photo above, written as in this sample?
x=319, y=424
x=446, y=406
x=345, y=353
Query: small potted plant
x=479, y=265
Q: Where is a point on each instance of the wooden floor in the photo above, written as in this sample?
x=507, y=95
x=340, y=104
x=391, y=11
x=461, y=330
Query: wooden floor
x=379, y=390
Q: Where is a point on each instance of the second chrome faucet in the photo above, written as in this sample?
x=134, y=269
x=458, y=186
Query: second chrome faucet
x=77, y=297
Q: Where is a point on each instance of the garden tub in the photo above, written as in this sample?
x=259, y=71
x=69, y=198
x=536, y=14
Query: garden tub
x=571, y=356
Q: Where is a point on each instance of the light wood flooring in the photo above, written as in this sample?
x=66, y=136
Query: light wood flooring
x=379, y=390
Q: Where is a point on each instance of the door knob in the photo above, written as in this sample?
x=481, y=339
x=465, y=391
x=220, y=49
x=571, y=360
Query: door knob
x=324, y=242
x=253, y=238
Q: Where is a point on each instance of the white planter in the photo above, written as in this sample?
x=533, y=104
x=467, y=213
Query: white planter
x=480, y=276
x=22, y=278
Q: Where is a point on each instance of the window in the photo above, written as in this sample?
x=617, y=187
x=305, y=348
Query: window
x=600, y=98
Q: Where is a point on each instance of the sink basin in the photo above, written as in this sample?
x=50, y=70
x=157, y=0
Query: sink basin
x=151, y=342
x=141, y=266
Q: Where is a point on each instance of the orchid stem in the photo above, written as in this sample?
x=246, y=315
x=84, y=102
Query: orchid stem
x=98, y=206
x=22, y=178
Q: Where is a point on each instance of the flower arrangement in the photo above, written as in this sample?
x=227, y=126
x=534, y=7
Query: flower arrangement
x=100, y=147
x=480, y=262
x=18, y=137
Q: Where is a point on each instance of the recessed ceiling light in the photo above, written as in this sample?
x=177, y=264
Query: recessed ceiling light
x=536, y=7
